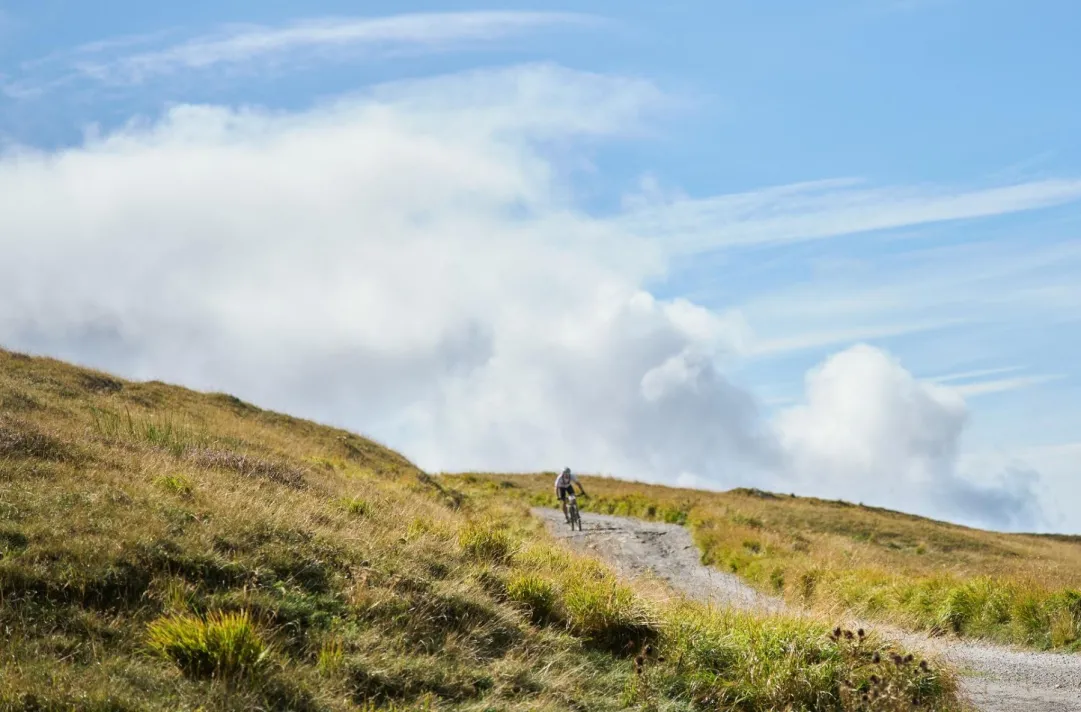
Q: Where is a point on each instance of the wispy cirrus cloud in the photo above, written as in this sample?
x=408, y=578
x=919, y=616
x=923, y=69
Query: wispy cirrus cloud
x=978, y=382
x=1001, y=385
x=808, y=340
x=1009, y=277
x=112, y=61
x=980, y=373
x=98, y=47
x=824, y=209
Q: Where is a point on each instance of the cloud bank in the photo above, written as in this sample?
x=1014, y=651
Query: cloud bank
x=409, y=263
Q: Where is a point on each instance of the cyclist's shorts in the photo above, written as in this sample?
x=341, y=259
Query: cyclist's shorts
x=563, y=492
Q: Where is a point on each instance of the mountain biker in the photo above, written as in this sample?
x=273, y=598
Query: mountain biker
x=565, y=485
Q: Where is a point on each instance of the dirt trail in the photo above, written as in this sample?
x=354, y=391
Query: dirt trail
x=995, y=678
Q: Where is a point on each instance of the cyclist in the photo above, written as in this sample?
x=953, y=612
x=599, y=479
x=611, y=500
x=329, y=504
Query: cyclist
x=565, y=485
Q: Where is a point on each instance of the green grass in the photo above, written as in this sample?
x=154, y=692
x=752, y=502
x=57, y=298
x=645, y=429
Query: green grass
x=176, y=484
x=536, y=593
x=781, y=666
x=222, y=645
x=162, y=549
x=357, y=506
x=836, y=557
x=485, y=542
x=715, y=658
x=160, y=430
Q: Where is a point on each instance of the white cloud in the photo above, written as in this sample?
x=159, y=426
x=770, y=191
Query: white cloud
x=869, y=431
x=403, y=262
x=410, y=264
x=864, y=415
x=824, y=209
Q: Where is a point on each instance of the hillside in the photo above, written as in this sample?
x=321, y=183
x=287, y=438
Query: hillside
x=834, y=555
x=164, y=549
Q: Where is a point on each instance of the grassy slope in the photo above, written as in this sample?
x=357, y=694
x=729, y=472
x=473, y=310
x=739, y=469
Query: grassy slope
x=916, y=572
x=165, y=549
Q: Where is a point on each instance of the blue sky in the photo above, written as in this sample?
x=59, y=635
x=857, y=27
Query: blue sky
x=899, y=173
x=931, y=90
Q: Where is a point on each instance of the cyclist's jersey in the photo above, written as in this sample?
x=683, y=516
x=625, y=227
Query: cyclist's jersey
x=565, y=481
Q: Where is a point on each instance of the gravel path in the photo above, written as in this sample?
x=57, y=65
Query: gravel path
x=995, y=679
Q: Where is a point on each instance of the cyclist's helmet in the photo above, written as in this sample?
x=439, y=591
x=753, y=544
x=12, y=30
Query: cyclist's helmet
x=566, y=470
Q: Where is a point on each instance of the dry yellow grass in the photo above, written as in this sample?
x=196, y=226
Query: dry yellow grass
x=838, y=556
x=166, y=549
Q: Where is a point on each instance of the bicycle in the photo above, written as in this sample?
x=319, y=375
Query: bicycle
x=572, y=511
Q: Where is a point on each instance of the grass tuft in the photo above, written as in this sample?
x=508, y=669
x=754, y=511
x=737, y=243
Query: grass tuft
x=221, y=645
x=486, y=542
x=607, y=614
x=164, y=431
x=357, y=506
x=331, y=656
x=176, y=484
x=538, y=595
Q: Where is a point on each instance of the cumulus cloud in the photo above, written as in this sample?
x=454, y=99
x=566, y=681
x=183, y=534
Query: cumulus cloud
x=869, y=431
x=404, y=262
x=410, y=264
